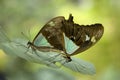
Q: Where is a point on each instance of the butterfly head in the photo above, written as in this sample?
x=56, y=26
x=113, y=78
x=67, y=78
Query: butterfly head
x=29, y=44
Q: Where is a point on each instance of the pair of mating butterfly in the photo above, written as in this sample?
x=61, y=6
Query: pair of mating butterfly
x=66, y=37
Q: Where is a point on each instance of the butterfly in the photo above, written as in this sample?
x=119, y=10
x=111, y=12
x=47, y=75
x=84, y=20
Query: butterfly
x=63, y=35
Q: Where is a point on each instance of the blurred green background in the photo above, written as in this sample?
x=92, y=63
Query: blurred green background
x=18, y=16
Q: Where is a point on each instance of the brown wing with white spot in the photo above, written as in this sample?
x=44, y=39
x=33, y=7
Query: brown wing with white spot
x=83, y=36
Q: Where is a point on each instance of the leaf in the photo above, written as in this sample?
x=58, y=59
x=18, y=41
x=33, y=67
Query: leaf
x=18, y=47
x=52, y=74
x=81, y=66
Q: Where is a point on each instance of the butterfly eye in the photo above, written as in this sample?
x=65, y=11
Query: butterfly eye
x=28, y=43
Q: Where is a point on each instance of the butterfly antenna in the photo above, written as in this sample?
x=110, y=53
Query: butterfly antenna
x=5, y=37
x=29, y=33
x=25, y=36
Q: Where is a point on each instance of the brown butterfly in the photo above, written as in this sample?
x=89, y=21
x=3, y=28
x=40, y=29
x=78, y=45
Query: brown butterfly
x=64, y=35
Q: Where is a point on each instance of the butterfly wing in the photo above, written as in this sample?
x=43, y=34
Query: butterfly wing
x=51, y=34
x=79, y=38
x=68, y=36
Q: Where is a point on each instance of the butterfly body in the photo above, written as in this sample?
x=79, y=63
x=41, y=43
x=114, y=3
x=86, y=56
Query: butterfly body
x=66, y=36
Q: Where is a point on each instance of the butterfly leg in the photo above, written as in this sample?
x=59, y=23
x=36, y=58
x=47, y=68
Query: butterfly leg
x=52, y=58
x=60, y=61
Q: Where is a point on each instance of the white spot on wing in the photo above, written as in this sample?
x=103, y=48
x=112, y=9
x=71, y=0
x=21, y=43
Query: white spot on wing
x=87, y=38
x=93, y=39
x=51, y=23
